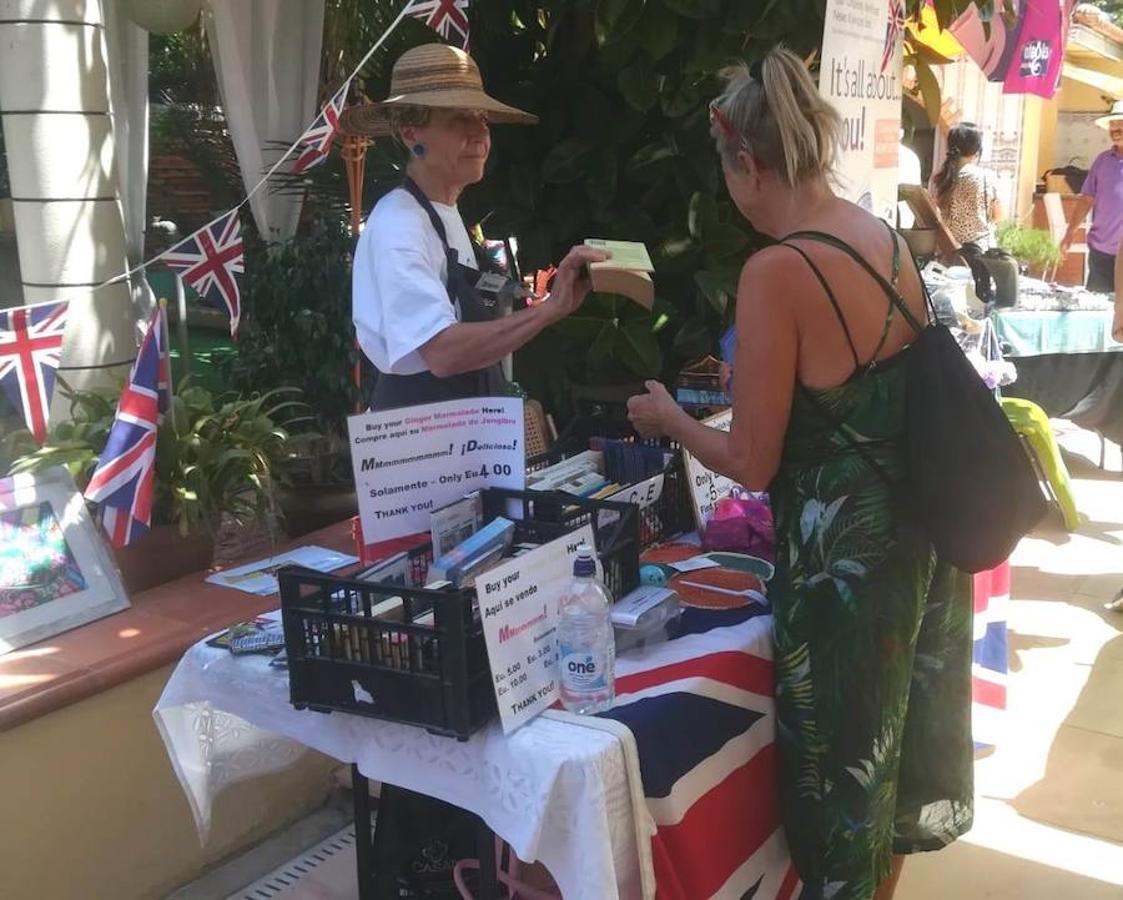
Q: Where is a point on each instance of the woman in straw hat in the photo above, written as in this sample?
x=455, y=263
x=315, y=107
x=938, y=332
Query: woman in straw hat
x=418, y=312
x=1102, y=194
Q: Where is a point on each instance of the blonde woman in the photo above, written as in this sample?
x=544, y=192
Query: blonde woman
x=872, y=631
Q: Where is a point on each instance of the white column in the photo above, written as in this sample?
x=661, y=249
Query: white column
x=54, y=104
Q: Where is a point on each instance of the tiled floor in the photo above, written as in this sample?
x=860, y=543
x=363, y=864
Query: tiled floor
x=1049, y=808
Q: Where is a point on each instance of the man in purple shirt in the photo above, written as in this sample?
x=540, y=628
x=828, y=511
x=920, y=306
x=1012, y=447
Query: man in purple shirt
x=1103, y=195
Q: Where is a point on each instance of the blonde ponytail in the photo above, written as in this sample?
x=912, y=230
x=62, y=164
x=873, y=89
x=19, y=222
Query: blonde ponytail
x=779, y=117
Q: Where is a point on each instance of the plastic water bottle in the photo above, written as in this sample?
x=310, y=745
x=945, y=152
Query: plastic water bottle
x=586, y=646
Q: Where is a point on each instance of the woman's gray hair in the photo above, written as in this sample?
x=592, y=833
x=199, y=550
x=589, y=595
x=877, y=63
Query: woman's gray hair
x=408, y=117
x=779, y=117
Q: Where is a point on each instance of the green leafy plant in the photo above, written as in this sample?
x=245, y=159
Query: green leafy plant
x=220, y=457
x=1033, y=246
x=296, y=326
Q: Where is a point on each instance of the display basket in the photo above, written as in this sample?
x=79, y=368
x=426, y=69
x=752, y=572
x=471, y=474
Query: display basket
x=671, y=515
x=425, y=662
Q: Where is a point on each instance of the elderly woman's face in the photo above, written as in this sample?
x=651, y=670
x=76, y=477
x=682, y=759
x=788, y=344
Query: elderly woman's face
x=457, y=142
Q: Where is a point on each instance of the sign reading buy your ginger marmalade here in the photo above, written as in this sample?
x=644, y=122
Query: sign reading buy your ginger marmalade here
x=409, y=462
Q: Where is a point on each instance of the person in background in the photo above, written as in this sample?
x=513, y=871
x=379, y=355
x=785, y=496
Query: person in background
x=965, y=192
x=908, y=172
x=1102, y=194
x=872, y=632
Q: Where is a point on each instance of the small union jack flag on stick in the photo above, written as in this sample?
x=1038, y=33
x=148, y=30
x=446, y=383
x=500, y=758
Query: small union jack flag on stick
x=123, y=481
x=30, y=350
x=449, y=18
x=894, y=30
x=209, y=260
x=315, y=143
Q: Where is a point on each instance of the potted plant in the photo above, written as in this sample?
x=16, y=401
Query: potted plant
x=216, y=462
x=296, y=329
x=1033, y=247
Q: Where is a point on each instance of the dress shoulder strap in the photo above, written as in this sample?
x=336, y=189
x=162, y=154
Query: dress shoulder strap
x=890, y=289
x=834, y=302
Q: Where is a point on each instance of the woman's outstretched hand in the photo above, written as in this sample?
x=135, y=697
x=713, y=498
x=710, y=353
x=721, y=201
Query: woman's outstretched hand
x=571, y=283
x=653, y=412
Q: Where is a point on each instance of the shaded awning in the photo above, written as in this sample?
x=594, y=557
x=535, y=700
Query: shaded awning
x=1101, y=81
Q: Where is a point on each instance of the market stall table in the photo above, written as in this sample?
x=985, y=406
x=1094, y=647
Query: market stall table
x=565, y=791
x=1068, y=364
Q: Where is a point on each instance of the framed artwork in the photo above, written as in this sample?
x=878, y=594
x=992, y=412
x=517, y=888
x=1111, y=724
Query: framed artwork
x=56, y=572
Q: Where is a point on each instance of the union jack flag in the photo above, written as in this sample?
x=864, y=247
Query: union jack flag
x=711, y=788
x=30, y=350
x=209, y=260
x=316, y=141
x=449, y=18
x=123, y=480
x=990, y=665
x=894, y=29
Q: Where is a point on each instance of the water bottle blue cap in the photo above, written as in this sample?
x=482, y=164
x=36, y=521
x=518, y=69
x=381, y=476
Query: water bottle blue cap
x=585, y=564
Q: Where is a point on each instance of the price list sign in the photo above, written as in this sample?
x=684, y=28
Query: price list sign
x=519, y=607
x=410, y=462
x=708, y=487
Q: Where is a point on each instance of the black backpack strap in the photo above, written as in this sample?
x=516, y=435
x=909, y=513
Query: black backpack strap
x=834, y=303
x=891, y=291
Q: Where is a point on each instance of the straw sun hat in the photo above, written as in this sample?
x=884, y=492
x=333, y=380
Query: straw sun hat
x=437, y=76
x=1116, y=113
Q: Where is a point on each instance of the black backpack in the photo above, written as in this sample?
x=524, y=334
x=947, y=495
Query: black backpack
x=967, y=478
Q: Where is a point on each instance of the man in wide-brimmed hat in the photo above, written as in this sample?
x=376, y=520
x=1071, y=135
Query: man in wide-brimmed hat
x=420, y=310
x=1103, y=195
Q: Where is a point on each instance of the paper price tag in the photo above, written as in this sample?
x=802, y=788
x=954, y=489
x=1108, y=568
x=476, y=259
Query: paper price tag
x=519, y=608
x=708, y=487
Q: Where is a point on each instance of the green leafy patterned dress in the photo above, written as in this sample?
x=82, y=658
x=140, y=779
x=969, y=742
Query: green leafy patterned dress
x=873, y=649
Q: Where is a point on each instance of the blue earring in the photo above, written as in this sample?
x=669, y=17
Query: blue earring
x=418, y=150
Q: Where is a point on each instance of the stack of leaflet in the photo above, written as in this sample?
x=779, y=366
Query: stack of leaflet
x=581, y=475
x=476, y=555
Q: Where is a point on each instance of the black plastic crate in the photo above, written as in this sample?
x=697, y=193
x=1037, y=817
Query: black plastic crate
x=672, y=515
x=341, y=657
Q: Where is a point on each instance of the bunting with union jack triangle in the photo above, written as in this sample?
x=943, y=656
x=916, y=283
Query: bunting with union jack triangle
x=449, y=18
x=209, y=260
x=30, y=350
x=315, y=143
x=894, y=32
x=123, y=481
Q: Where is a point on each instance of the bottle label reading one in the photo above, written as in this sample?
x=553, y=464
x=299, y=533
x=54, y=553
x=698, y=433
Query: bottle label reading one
x=581, y=670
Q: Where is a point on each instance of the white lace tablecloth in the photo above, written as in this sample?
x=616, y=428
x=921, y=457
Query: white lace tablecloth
x=558, y=792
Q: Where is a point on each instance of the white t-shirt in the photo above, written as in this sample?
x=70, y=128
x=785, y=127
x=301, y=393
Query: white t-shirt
x=399, y=299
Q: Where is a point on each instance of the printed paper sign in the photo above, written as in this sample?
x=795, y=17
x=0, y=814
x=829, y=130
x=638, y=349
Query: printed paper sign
x=706, y=487
x=644, y=494
x=519, y=607
x=860, y=74
x=410, y=462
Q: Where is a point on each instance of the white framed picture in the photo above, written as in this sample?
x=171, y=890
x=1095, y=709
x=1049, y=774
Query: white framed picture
x=56, y=572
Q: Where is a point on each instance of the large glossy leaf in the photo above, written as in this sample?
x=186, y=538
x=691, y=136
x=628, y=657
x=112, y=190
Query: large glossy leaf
x=719, y=285
x=679, y=98
x=659, y=30
x=694, y=338
x=563, y=163
x=929, y=90
x=639, y=349
x=639, y=85
x=701, y=215
x=616, y=18
x=649, y=157
x=694, y=9
x=724, y=240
